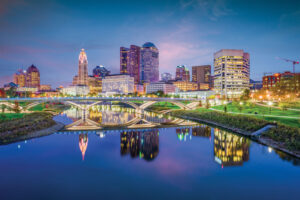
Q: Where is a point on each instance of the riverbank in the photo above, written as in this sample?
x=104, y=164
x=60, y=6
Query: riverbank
x=30, y=126
x=286, y=139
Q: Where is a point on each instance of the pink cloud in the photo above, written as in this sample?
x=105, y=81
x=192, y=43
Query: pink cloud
x=5, y=79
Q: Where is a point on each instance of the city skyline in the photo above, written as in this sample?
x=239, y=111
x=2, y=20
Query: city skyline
x=188, y=38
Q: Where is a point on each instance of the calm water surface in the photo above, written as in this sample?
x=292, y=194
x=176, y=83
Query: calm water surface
x=198, y=162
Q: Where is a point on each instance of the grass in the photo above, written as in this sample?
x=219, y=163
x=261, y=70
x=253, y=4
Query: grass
x=12, y=129
x=261, y=111
x=284, y=121
x=159, y=106
x=49, y=107
x=242, y=122
x=10, y=116
x=289, y=136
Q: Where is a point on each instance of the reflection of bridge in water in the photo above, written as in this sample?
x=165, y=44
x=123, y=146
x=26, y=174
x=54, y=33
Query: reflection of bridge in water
x=138, y=121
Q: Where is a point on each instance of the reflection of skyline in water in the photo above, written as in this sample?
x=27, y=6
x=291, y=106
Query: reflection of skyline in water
x=184, y=133
x=230, y=149
x=83, y=143
x=144, y=144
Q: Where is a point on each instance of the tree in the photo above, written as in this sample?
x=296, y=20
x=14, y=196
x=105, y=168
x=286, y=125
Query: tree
x=245, y=95
x=3, y=108
x=207, y=105
x=16, y=107
x=200, y=103
x=225, y=108
x=240, y=107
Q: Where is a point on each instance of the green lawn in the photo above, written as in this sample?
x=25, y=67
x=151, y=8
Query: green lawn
x=285, y=121
x=262, y=111
x=10, y=116
x=38, y=107
x=259, y=110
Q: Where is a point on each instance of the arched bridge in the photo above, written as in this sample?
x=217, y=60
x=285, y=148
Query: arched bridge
x=85, y=103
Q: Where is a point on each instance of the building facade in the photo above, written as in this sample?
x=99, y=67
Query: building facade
x=166, y=88
x=231, y=72
x=19, y=78
x=76, y=90
x=95, y=84
x=28, y=78
x=202, y=76
x=287, y=81
x=166, y=77
x=186, y=85
x=118, y=84
x=45, y=87
x=33, y=77
x=149, y=63
x=133, y=64
x=82, y=69
x=100, y=71
x=203, y=95
x=124, y=56
x=182, y=73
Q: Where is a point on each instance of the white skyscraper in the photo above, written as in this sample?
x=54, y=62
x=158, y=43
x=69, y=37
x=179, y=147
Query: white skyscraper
x=82, y=69
x=232, y=72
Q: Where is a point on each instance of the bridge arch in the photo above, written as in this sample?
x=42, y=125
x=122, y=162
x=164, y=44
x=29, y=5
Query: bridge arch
x=179, y=104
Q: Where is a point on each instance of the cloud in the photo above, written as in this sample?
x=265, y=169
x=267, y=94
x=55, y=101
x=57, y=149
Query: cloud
x=213, y=9
x=6, y=5
x=5, y=79
x=290, y=21
x=184, y=45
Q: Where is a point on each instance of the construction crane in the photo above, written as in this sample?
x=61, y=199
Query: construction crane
x=292, y=61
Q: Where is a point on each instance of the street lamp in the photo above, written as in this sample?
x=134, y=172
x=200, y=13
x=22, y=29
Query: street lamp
x=270, y=103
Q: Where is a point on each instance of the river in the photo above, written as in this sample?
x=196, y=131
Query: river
x=181, y=162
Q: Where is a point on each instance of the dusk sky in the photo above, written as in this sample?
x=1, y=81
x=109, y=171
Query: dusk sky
x=50, y=34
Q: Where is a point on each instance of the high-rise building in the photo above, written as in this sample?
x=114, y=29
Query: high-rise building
x=149, y=63
x=231, y=72
x=166, y=77
x=202, y=76
x=124, y=57
x=182, y=73
x=82, y=69
x=19, y=78
x=32, y=77
x=133, y=66
x=100, y=71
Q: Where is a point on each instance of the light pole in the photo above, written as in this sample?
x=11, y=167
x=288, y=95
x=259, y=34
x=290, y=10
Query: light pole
x=270, y=106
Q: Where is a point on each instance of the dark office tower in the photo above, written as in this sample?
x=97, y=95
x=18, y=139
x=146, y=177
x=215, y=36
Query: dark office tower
x=149, y=63
x=133, y=65
x=100, y=71
x=182, y=73
x=202, y=76
x=165, y=77
x=124, y=57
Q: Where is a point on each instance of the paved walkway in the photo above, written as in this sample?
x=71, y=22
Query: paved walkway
x=263, y=129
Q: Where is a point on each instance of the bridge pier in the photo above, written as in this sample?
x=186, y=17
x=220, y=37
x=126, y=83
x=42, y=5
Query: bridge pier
x=139, y=111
